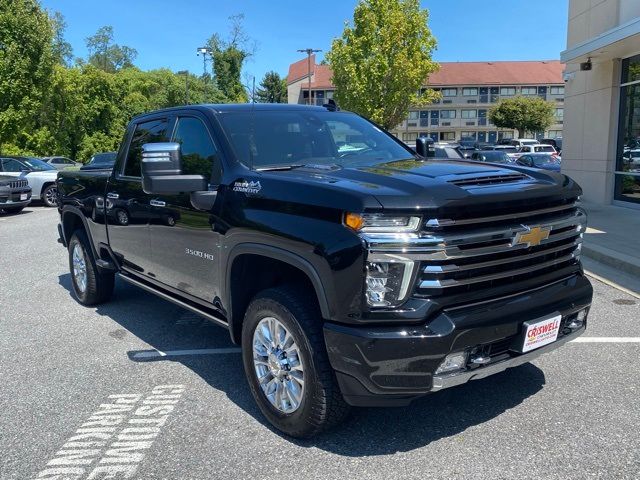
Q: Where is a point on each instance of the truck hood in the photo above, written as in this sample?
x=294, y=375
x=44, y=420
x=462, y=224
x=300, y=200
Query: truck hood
x=416, y=185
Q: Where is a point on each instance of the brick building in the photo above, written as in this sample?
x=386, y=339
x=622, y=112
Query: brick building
x=468, y=90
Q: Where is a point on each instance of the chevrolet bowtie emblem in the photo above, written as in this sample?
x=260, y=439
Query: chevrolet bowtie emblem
x=533, y=237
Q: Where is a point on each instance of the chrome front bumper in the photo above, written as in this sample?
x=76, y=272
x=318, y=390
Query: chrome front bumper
x=448, y=380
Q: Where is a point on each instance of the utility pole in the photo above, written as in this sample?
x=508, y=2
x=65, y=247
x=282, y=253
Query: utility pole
x=186, y=85
x=309, y=52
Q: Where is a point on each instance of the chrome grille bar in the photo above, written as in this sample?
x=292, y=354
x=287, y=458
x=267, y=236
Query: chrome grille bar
x=439, y=222
x=448, y=283
x=450, y=267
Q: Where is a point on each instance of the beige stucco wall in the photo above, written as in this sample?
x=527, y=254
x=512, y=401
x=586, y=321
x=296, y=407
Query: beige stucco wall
x=592, y=98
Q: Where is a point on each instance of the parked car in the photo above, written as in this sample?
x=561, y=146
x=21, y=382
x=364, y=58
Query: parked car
x=521, y=142
x=442, y=150
x=631, y=159
x=539, y=148
x=545, y=161
x=61, y=163
x=493, y=156
x=40, y=175
x=338, y=271
x=100, y=161
x=15, y=194
x=555, y=142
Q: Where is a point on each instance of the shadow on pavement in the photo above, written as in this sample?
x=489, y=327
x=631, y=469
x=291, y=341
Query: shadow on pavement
x=367, y=432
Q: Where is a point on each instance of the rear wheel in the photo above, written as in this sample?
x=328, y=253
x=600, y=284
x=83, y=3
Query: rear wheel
x=286, y=363
x=50, y=196
x=90, y=285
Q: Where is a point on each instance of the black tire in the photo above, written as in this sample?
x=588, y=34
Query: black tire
x=99, y=285
x=322, y=405
x=49, y=196
x=13, y=210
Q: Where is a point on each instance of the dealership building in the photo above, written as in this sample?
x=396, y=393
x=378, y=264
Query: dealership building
x=468, y=90
x=601, y=145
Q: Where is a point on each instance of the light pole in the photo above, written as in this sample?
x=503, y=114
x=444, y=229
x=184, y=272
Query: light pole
x=186, y=85
x=309, y=52
x=204, y=51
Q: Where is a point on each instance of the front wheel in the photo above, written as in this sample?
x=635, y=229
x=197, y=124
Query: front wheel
x=286, y=363
x=90, y=285
x=50, y=196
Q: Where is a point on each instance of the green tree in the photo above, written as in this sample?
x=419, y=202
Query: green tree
x=62, y=51
x=229, y=56
x=273, y=89
x=525, y=114
x=26, y=63
x=107, y=55
x=382, y=61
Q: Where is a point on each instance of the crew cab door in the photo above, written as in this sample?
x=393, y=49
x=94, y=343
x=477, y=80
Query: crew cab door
x=184, y=240
x=127, y=207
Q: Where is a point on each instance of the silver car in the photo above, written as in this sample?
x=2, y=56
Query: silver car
x=40, y=175
x=60, y=163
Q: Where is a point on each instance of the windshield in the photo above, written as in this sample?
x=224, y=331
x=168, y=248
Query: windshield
x=540, y=160
x=37, y=165
x=271, y=139
x=103, y=158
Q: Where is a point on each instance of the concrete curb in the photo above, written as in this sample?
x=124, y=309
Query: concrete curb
x=620, y=261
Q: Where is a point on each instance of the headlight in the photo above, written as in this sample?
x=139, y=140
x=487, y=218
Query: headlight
x=381, y=223
x=387, y=283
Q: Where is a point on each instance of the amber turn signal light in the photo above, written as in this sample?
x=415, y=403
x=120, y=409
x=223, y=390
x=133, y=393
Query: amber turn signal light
x=353, y=220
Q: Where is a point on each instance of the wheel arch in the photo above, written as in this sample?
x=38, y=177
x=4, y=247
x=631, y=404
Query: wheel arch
x=283, y=267
x=72, y=219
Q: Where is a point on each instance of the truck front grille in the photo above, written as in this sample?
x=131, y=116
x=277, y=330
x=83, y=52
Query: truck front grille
x=485, y=252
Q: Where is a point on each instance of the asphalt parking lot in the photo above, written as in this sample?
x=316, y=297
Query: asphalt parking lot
x=84, y=394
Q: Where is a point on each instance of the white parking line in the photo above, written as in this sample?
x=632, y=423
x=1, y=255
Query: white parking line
x=606, y=340
x=179, y=353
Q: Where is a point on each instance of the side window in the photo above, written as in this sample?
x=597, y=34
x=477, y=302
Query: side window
x=11, y=165
x=153, y=131
x=57, y=160
x=199, y=156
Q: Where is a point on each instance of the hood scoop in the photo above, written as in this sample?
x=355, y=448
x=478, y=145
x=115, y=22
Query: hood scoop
x=478, y=181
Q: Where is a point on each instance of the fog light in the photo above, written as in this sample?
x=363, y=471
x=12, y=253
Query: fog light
x=453, y=361
x=578, y=321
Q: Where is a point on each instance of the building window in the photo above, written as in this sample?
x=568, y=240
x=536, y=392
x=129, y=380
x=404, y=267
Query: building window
x=449, y=92
x=556, y=90
x=469, y=92
x=559, y=113
x=507, y=91
x=506, y=134
x=447, y=114
x=448, y=136
x=529, y=90
x=414, y=115
x=408, y=137
x=555, y=133
x=627, y=187
x=469, y=114
x=467, y=135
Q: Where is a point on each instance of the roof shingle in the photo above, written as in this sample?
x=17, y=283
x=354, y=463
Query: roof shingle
x=535, y=72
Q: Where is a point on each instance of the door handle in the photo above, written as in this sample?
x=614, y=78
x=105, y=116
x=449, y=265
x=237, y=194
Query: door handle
x=113, y=195
x=157, y=203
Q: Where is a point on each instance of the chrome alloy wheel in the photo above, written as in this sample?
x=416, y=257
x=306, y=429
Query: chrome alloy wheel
x=278, y=365
x=51, y=196
x=79, y=268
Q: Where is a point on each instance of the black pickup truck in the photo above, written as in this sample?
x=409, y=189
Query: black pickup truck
x=352, y=270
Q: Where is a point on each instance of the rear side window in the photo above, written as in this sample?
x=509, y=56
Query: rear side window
x=153, y=131
x=11, y=165
x=199, y=155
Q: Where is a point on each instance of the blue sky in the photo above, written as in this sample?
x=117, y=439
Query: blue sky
x=166, y=33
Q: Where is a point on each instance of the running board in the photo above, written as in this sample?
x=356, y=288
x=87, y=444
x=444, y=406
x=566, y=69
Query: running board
x=171, y=299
